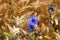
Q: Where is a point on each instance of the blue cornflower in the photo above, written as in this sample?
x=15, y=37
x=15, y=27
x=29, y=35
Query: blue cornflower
x=32, y=22
x=52, y=8
x=33, y=19
x=31, y=27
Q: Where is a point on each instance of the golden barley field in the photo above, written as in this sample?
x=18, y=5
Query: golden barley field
x=14, y=20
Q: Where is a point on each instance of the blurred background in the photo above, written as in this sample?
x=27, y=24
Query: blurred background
x=15, y=17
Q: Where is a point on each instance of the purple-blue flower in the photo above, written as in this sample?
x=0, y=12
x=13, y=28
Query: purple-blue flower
x=52, y=8
x=33, y=19
x=31, y=27
x=32, y=22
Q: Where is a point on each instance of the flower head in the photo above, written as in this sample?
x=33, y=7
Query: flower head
x=32, y=22
x=33, y=19
x=31, y=26
x=52, y=8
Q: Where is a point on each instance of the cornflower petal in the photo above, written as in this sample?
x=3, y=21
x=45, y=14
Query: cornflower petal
x=33, y=19
x=31, y=27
